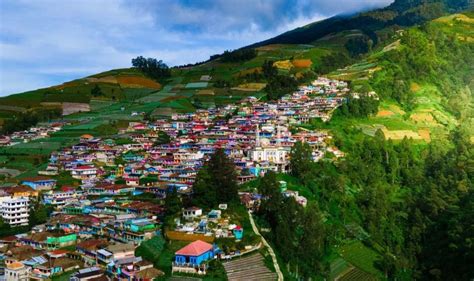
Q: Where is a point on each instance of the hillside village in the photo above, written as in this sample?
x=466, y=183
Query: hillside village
x=248, y=166
x=95, y=188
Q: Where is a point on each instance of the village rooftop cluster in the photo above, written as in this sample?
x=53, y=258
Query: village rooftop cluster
x=98, y=221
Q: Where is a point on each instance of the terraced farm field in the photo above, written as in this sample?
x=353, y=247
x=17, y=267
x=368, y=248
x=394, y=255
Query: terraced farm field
x=355, y=274
x=250, y=267
x=360, y=257
x=338, y=268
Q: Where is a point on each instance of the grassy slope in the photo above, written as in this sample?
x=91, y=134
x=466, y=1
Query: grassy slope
x=429, y=113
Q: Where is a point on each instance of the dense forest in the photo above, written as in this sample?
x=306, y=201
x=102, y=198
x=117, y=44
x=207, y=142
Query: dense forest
x=413, y=204
x=415, y=207
x=362, y=106
x=427, y=55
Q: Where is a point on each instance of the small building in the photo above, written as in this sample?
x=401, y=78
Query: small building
x=86, y=138
x=194, y=254
x=238, y=232
x=191, y=213
x=17, y=271
x=206, y=78
x=4, y=140
x=40, y=183
x=116, y=252
x=20, y=191
x=214, y=215
x=84, y=172
x=60, y=241
x=91, y=273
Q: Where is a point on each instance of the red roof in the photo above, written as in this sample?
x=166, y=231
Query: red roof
x=58, y=252
x=85, y=167
x=9, y=238
x=196, y=248
x=67, y=188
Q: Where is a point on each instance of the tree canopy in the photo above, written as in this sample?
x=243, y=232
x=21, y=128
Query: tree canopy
x=301, y=159
x=216, y=182
x=152, y=67
x=236, y=55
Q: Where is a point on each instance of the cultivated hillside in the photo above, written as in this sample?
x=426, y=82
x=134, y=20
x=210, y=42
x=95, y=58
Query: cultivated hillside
x=364, y=49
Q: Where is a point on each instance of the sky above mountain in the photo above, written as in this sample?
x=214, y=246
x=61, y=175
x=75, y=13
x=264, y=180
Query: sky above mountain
x=47, y=42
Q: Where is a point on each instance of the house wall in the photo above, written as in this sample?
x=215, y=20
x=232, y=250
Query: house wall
x=193, y=259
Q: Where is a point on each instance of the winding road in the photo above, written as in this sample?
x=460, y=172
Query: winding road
x=270, y=250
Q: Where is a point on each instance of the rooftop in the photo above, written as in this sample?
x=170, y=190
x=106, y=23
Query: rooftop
x=196, y=248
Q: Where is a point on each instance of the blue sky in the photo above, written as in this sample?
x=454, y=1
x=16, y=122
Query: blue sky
x=47, y=42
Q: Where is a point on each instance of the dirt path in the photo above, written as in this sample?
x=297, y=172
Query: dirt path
x=270, y=250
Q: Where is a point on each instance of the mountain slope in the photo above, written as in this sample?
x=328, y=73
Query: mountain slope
x=400, y=13
x=424, y=77
x=218, y=82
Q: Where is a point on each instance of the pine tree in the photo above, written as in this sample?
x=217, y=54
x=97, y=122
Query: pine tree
x=312, y=245
x=222, y=170
x=204, y=191
x=301, y=160
x=269, y=188
x=216, y=182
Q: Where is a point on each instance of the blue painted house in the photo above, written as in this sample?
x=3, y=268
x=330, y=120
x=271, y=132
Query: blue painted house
x=40, y=183
x=194, y=254
x=238, y=232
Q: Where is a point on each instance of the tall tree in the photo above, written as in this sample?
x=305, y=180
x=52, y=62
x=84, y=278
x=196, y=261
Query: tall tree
x=223, y=174
x=216, y=181
x=269, y=188
x=152, y=67
x=163, y=138
x=301, y=160
x=313, y=241
x=204, y=191
x=269, y=70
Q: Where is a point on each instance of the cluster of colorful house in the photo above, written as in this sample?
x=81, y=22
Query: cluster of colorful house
x=104, y=231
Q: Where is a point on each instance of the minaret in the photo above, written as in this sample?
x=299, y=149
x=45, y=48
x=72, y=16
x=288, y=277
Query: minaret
x=257, y=137
x=278, y=135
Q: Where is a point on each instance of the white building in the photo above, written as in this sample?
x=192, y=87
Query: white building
x=17, y=271
x=84, y=172
x=272, y=154
x=15, y=211
x=60, y=198
x=191, y=213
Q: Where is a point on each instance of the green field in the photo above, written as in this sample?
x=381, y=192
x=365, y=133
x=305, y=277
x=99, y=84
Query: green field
x=337, y=267
x=357, y=275
x=360, y=256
